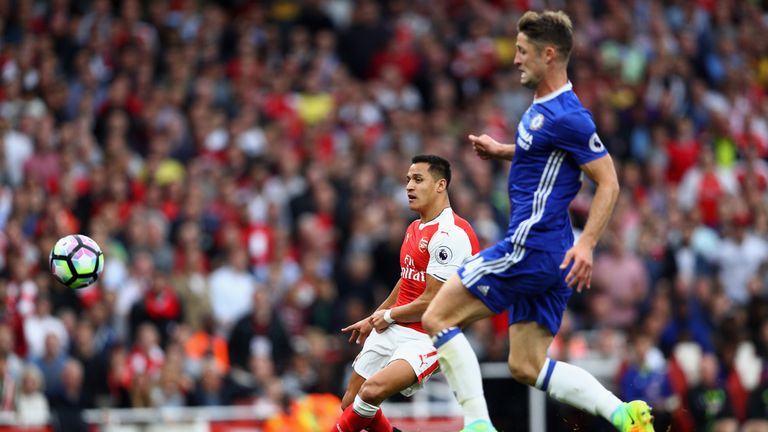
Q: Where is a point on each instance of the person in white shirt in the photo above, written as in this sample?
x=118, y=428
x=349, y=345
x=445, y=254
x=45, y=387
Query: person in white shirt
x=31, y=405
x=38, y=325
x=740, y=257
x=231, y=289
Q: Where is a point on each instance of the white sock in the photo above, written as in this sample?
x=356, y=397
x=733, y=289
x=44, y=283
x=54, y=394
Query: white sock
x=363, y=408
x=576, y=387
x=460, y=366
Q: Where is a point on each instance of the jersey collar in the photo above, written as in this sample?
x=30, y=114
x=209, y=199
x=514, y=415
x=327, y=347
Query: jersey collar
x=568, y=86
x=436, y=219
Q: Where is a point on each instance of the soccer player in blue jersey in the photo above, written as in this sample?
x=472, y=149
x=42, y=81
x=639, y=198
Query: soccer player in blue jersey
x=533, y=271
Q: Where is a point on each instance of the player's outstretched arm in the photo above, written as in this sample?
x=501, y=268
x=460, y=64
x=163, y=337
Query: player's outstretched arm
x=360, y=330
x=412, y=311
x=603, y=173
x=488, y=148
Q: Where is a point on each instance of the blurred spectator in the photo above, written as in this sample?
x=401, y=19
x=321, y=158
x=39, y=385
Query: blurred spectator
x=704, y=185
x=645, y=377
x=31, y=405
x=120, y=378
x=621, y=283
x=167, y=392
x=686, y=323
x=8, y=386
x=160, y=306
x=191, y=284
x=94, y=363
x=51, y=363
x=231, y=290
x=260, y=332
x=709, y=402
x=739, y=256
x=21, y=289
x=39, y=325
x=61, y=297
x=13, y=364
x=105, y=336
x=209, y=389
x=204, y=346
x=68, y=402
x=18, y=149
x=248, y=385
x=682, y=151
x=757, y=410
x=130, y=292
x=363, y=38
x=146, y=357
x=140, y=391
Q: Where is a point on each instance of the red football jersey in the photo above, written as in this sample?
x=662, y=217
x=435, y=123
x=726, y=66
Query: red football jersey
x=436, y=248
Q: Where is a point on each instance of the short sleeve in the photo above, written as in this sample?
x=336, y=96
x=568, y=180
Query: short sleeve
x=575, y=133
x=447, y=251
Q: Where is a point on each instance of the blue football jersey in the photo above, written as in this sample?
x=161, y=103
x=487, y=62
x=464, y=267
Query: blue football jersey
x=555, y=135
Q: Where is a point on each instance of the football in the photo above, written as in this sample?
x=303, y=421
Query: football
x=76, y=261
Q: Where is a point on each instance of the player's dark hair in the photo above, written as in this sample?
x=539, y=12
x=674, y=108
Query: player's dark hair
x=548, y=28
x=438, y=167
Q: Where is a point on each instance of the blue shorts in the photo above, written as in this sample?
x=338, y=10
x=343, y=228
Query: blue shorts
x=529, y=283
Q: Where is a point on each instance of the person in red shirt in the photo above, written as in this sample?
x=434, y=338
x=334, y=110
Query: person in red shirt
x=399, y=356
x=682, y=151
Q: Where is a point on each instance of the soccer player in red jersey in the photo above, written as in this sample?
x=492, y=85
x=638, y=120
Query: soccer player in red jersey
x=399, y=356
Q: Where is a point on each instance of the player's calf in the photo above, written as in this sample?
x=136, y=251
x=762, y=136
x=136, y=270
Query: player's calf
x=524, y=369
x=347, y=400
x=528, y=344
x=373, y=392
x=355, y=382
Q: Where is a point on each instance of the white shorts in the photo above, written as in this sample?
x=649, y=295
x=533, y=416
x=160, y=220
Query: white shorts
x=398, y=343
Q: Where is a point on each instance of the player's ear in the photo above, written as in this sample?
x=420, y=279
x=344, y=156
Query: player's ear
x=550, y=53
x=442, y=185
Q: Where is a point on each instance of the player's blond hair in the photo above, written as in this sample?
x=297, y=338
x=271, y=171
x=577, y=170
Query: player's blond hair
x=548, y=28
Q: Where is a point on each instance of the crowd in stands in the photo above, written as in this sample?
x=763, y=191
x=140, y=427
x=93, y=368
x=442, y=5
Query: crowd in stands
x=242, y=166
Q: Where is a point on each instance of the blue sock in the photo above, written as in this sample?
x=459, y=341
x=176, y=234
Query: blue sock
x=444, y=336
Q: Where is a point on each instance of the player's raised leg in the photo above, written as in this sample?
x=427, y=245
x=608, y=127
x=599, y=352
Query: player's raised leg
x=355, y=382
x=528, y=362
x=453, y=307
x=364, y=412
x=350, y=418
x=380, y=423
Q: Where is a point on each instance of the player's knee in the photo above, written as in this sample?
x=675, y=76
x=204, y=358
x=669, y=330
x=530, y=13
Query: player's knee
x=372, y=392
x=434, y=321
x=522, y=371
x=430, y=322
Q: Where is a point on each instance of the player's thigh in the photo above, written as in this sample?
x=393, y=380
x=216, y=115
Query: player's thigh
x=536, y=292
x=412, y=362
x=397, y=376
x=453, y=305
x=528, y=344
x=498, y=276
x=353, y=387
x=376, y=354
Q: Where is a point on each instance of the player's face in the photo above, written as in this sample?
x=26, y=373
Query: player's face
x=530, y=60
x=421, y=187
